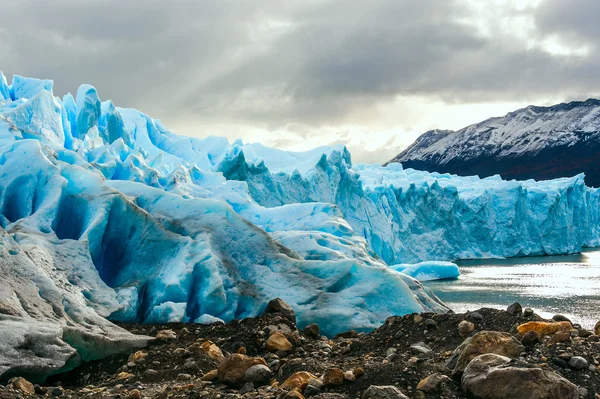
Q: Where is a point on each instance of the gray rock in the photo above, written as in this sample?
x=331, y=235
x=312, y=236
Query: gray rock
x=475, y=317
x=514, y=309
x=430, y=324
x=578, y=363
x=421, y=348
x=383, y=392
x=483, y=342
x=559, y=317
x=492, y=376
x=528, y=312
x=247, y=387
x=258, y=374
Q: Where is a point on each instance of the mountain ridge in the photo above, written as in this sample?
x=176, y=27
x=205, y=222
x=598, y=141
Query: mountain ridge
x=536, y=142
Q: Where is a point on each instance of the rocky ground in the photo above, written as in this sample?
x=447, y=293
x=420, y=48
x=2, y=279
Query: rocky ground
x=487, y=354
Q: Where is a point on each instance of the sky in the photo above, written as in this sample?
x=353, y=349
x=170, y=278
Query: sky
x=370, y=74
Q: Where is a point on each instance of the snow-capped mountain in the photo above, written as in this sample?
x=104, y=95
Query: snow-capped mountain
x=534, y=142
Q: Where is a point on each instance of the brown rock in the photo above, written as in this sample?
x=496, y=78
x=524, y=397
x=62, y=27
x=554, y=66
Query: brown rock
x=231, y=370
x=433, y=382
x=298, y=380
x=530, y=339
x=465, y=328
x=346, y=335
x=241, y=350
x=312, y=331
x=166, y=334
x=135, y=394
x=597, y=329
x=124, y=375
x=278, y=342
x=293, y=395
x=358, y=372
x=137, y=356
x=561, y=337
x=483, y=342
x=543, y=328
x=492, y=376
x=210, y=376
x=21, y=384
x=333, y=377
x=212, y=350
x=277, y=305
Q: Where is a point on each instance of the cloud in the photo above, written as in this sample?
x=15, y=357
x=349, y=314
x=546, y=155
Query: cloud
x=255, y=68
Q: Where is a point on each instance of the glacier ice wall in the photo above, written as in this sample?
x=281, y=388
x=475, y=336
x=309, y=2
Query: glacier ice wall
x=412, y=216
x=140, y=224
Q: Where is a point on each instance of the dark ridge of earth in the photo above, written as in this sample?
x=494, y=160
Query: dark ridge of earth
x=385, y=355
x=549, y=163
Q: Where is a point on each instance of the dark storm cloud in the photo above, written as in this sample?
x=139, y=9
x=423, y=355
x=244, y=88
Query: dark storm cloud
x=279, y=62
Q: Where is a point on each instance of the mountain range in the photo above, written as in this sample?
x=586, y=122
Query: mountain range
x=535, y=142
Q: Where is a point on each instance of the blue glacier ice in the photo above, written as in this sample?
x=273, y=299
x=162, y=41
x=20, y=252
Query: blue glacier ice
x=428, y=271
x=127, y=221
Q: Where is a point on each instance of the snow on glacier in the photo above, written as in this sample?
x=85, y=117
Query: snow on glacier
x=144, y=225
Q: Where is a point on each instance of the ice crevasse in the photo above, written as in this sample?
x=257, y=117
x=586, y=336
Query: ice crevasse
x=106, y=214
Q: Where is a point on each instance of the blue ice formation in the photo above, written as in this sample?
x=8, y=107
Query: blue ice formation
x=139, y=224
x=428, y=271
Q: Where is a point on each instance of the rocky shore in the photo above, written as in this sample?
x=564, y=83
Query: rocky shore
x=489, y=353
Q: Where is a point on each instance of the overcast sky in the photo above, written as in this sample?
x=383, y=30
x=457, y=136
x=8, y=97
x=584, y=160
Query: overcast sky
x=371, y=74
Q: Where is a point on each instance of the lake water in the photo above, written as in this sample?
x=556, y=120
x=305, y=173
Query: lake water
x=569, y=285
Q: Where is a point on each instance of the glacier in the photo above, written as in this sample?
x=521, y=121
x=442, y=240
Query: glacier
x=107, y=215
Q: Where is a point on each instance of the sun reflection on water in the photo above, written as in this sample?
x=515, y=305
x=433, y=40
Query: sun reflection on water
x=569, y=285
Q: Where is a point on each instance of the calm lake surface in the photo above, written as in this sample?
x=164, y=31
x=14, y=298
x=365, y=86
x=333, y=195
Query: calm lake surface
x=569, y=285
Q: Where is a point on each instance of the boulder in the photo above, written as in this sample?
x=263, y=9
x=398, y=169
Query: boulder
x=543, y=328
x=277, y=305
x=483, y=342
x=383, y=392
x=278, y=342
x=597, y=328
x=232, y=369
x=491, y=376
x=298, y=380
x=333, y=377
